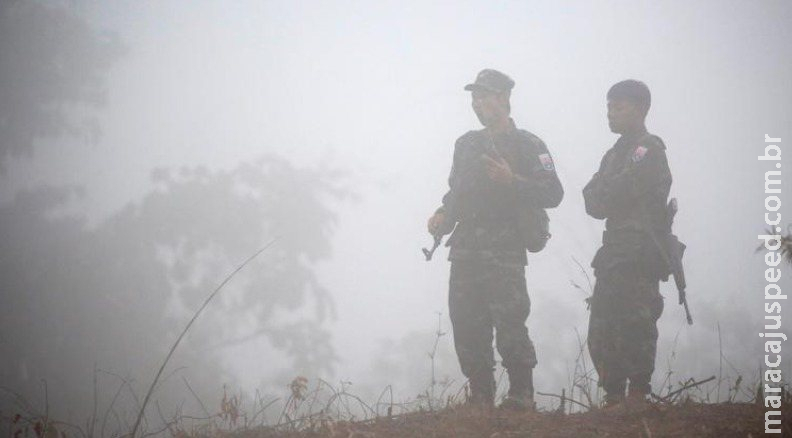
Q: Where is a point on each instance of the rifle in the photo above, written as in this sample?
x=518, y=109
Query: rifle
x=673, y=260
x=438, y=238
x=454, y=201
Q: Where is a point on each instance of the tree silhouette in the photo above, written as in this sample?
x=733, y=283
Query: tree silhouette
x=116, y=294
x=51, y=64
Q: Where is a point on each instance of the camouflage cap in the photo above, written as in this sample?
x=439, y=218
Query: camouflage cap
x=491, y=80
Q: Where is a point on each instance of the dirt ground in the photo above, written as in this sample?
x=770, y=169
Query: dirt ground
x=684, y=420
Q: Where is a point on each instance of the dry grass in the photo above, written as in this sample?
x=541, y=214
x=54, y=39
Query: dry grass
x=321, y=409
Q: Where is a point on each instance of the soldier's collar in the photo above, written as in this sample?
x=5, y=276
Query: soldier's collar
x=632, y=136
x=629, y=139
x=511, y=129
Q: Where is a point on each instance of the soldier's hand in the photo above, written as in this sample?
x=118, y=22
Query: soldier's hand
x=435, y=223
x=498, y=170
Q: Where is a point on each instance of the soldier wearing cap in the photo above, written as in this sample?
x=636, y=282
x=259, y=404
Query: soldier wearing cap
x=630, y=191
x=495, y=171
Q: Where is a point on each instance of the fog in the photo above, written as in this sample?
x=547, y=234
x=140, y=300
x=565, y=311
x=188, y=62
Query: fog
x=193, y=133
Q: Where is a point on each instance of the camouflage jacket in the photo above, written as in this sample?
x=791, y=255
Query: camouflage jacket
x=485, y=212
x=630, y=191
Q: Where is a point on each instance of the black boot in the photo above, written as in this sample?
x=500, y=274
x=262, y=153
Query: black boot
x=612, y=399
x=614, y=392
x=482, y=390
x=521, y=390
x=636, y=399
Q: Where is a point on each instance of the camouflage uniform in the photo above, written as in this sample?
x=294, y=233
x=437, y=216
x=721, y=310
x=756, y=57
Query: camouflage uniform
x=487, y=284
x=630, y=191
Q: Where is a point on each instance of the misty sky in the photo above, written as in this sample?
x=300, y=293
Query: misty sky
x=376, y=88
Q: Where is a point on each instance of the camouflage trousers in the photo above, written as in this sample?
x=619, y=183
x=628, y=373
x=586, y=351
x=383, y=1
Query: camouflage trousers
x=483, y=298
x=622, y=335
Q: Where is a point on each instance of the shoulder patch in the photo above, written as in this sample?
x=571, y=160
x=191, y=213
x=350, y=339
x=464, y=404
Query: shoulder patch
x=547, y=161
x=639, y=154
x=652, y=141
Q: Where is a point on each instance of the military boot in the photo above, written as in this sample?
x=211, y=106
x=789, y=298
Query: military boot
x=614, y=393
x=637, y=398
x=612, y=400
x=521, y=391
x=482, y=390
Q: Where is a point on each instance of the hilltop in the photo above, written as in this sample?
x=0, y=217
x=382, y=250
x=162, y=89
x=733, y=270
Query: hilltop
x=686, y=419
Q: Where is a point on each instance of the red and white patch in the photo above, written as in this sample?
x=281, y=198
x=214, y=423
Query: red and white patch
x=547, y=161
x=639, y=154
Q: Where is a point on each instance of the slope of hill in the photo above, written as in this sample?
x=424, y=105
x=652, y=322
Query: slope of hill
x=682, y=420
